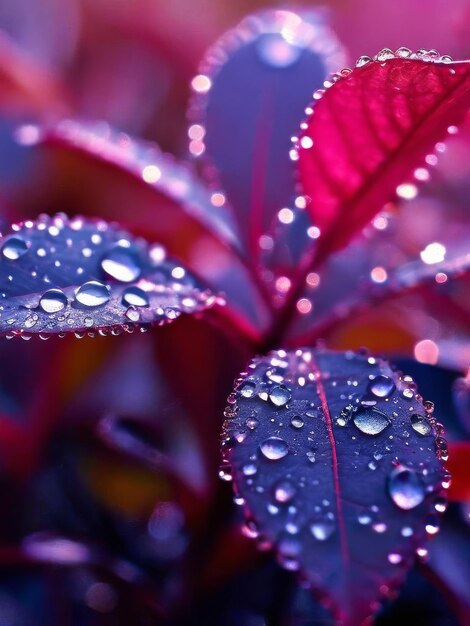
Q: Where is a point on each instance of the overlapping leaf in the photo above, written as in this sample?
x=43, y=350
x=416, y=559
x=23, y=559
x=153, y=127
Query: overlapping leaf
x=369, y=132
x=250, y=94
x=339, y=465
x=59, y=275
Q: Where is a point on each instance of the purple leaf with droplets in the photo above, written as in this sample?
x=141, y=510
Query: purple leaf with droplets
x=251, y=91
x=339, y=465
x=60, y=275
x=114, y=171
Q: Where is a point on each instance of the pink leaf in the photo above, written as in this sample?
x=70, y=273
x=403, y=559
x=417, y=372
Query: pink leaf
x=368, y=132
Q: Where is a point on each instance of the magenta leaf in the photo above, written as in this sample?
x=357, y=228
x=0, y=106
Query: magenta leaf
x=369, y=131
x=250, y=93
x=62, y=275
x=339, y=465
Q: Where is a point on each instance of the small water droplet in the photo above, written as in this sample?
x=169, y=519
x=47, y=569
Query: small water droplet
x=247, y=389
x=252, y=423
x=406, y=488
x=364, y=519
x=132, y=314
x=92, y=293
x=420, y=425
x=370, y=421
x=394, y=558
x=279, y=395
x=122, y=263
x=322, y=530
x=432, y=524
x=381, y=386
x=53, y=301
x=406, y=531
x=274, y=448
x=135, y=296
x=408, y=394
x=249, y=469
x=311, y=456
x=297, y=421
x=284, y=491
x=14, y=248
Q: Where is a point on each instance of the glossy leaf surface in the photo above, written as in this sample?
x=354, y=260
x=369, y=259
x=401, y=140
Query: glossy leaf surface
x=370, y=130
x=250, y=94
x=338, y=464
x=60, y=275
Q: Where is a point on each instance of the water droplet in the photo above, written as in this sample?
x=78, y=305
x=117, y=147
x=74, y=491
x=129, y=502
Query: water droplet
x=406, y=531
x=370, y=421
x=249, y=469
x=394, y=558
x=251, y=423
x=135, y=296
x=92, y=293
x=322, y=530
x=274, y=448
x=274, y=50
x=284, y=491
x=14, y=247
x=132, y=314
x=408, y=394
x=279, y=395
x=381, y=386
x=297, y=422
x=122, y=263
x=406, y=488
x=53, y=301
x=364, y=519
x=247, y=389
x=432, y=525
x=420, y=425
x=311, y=456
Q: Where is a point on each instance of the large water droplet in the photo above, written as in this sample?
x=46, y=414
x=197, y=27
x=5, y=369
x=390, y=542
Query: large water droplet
x=381, y=386
x=275, y=51
x=122, y=263
x=420, y=425
x=279, y=395
x=284, y=491
x=322, y=530
x=92, y=293
x=14, y=247
x=370, y=421
x=406, y=488
x=53, y=301
x=274, y=448
x=135, y=296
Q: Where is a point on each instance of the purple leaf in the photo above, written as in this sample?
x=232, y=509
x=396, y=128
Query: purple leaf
x=251, y=91
x=60, y=275
x=339, y=464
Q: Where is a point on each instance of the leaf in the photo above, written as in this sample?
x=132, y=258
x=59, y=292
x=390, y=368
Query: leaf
x=338, y=464
x=250, y=93
x=370, y=130
x=98, y=170
x=60, y=275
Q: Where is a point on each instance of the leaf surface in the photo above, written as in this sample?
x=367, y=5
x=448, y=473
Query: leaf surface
x=339, y=466
x=59, y=275
x=370, y=130
x=250, y=94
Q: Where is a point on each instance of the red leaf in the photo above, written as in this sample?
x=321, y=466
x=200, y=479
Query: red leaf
x=328, y=451
x=368, y=132
x=459, y=465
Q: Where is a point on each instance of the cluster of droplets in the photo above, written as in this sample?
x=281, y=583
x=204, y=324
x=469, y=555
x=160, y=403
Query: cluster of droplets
x=75, y=275
x=274, y=380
